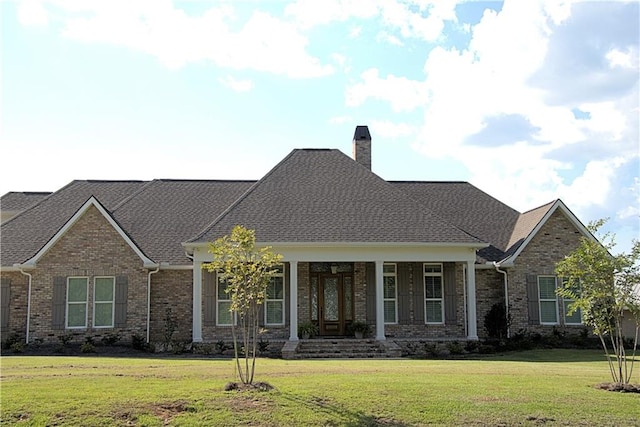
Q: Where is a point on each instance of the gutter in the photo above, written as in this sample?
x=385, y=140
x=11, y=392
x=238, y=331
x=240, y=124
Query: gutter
x=506, y=294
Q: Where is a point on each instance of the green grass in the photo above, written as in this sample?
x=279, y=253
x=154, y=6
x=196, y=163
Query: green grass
x=550, y=387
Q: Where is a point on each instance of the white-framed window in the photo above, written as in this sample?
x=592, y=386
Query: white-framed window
x=434, y=295
x=576, y=317
x=274, y=299
x=548, y=300
x=390, y=292
x=104, y=291
x=224, y=316
x=77, y=298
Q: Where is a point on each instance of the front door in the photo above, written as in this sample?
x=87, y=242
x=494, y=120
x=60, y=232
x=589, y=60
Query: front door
x=335, y=303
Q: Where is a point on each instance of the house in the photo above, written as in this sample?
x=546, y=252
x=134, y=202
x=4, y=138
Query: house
x=415, y=260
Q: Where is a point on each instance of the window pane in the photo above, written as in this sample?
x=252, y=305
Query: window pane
x=224, y=315
x=434, y=311
x=547, y=287
x=548, y=312
x=77, y=290
x=348, y=299
x=389, y=268
x=390, y=312
x=103, y=314
x=314, y=298
x=433, y=288
x=575, y=318
x=275, y=288
x=389, y=287
x=432, y=268
x=274, y=312
x=76, y=315
x=104, y=289
x=222, y=285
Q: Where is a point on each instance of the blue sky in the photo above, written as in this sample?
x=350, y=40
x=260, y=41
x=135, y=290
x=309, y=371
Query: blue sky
x=529, y=101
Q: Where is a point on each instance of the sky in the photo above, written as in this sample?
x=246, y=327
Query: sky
x=530, y=101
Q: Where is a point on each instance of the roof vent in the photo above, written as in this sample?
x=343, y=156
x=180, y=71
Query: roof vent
x=362, y=146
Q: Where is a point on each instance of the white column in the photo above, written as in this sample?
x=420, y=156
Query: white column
x=197, y=302
x=472, y=331
x=293, y=301
x=379, y=302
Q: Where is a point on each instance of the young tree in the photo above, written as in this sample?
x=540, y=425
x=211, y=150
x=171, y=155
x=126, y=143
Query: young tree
x=603, y=287
x=247, y=271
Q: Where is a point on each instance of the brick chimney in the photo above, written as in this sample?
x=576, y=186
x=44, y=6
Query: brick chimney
x=362, y=146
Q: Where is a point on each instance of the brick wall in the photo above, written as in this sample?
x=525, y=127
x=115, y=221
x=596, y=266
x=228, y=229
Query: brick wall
x=172, y=289
x=556, y=239
x=19, y=288
x=90, y=248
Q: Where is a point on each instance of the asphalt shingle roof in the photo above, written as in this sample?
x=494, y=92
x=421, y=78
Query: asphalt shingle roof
x=310, y=196
x=324, y=196
x=20, y=200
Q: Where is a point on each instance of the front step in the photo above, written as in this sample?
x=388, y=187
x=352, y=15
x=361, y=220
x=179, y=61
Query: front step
x=341, y=349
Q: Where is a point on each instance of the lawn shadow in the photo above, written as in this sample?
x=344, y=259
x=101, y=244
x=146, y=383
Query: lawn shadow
x=549, y=356
x=349, y=418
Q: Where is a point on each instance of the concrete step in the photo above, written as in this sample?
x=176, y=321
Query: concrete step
x=342, y=349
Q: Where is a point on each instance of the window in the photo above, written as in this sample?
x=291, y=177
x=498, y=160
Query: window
x=576, y=317
x=77, y=288
x=103, y=301
x=389, y=278
x=434, y=301
x=224, y=315
x=548, y=300
x=274, y=301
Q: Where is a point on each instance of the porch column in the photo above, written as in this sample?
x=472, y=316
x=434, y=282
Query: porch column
x=379, y=302
x=197, y=302
x=293, y=301
x=472, y=331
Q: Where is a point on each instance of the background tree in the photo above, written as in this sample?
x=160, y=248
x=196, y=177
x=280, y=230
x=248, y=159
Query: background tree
x=603, y=287
x=246, y=271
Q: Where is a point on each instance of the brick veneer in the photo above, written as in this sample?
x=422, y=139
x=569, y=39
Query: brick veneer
x=556, y=239
x=91, y=247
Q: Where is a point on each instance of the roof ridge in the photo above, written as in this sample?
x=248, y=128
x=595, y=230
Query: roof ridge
x=130, y=196
x=33, y=206
x=242, y=197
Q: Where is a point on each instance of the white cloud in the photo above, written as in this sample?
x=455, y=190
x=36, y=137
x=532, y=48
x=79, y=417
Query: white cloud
x=389, y=38
x=387, y=129
x=623, y=59
x=264, y=43
x=235, y=84
x=32, y=13
x=402, y=93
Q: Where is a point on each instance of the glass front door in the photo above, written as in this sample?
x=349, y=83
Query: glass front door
x=335, y=303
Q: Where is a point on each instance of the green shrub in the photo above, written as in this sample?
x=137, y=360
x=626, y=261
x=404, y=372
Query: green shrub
x=455, y=348
x=110, y=338
x=139, y=342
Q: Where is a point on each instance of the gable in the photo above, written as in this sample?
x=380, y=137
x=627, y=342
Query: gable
x=91, y=231
x=556, y=223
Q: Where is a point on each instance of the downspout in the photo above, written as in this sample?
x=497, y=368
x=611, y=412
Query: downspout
x=506, y=295
x=28, y=304
x=149, y=301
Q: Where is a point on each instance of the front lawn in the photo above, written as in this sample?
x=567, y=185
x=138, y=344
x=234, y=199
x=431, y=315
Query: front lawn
x=541, y=387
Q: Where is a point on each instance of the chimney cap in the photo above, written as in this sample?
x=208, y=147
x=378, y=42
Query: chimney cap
x=362, y=132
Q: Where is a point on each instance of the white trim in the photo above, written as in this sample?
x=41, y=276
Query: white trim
x=113, y=302
x=379, y=303
x=72, y=221
x=424, y=286
x=395, y=290
x=196, y=245
x=558, y=204
x=283, y=300
x=555, y=299
x=293, y=300
x=86, y=304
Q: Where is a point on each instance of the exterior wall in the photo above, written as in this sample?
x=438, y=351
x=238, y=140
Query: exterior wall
x=18, y=290
x=415, y=327
x=171, y=289
x=91, y=247
x=556, y=239
x=489, y=290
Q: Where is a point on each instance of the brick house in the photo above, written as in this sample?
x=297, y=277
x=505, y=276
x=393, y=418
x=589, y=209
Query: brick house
x=415, y=260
